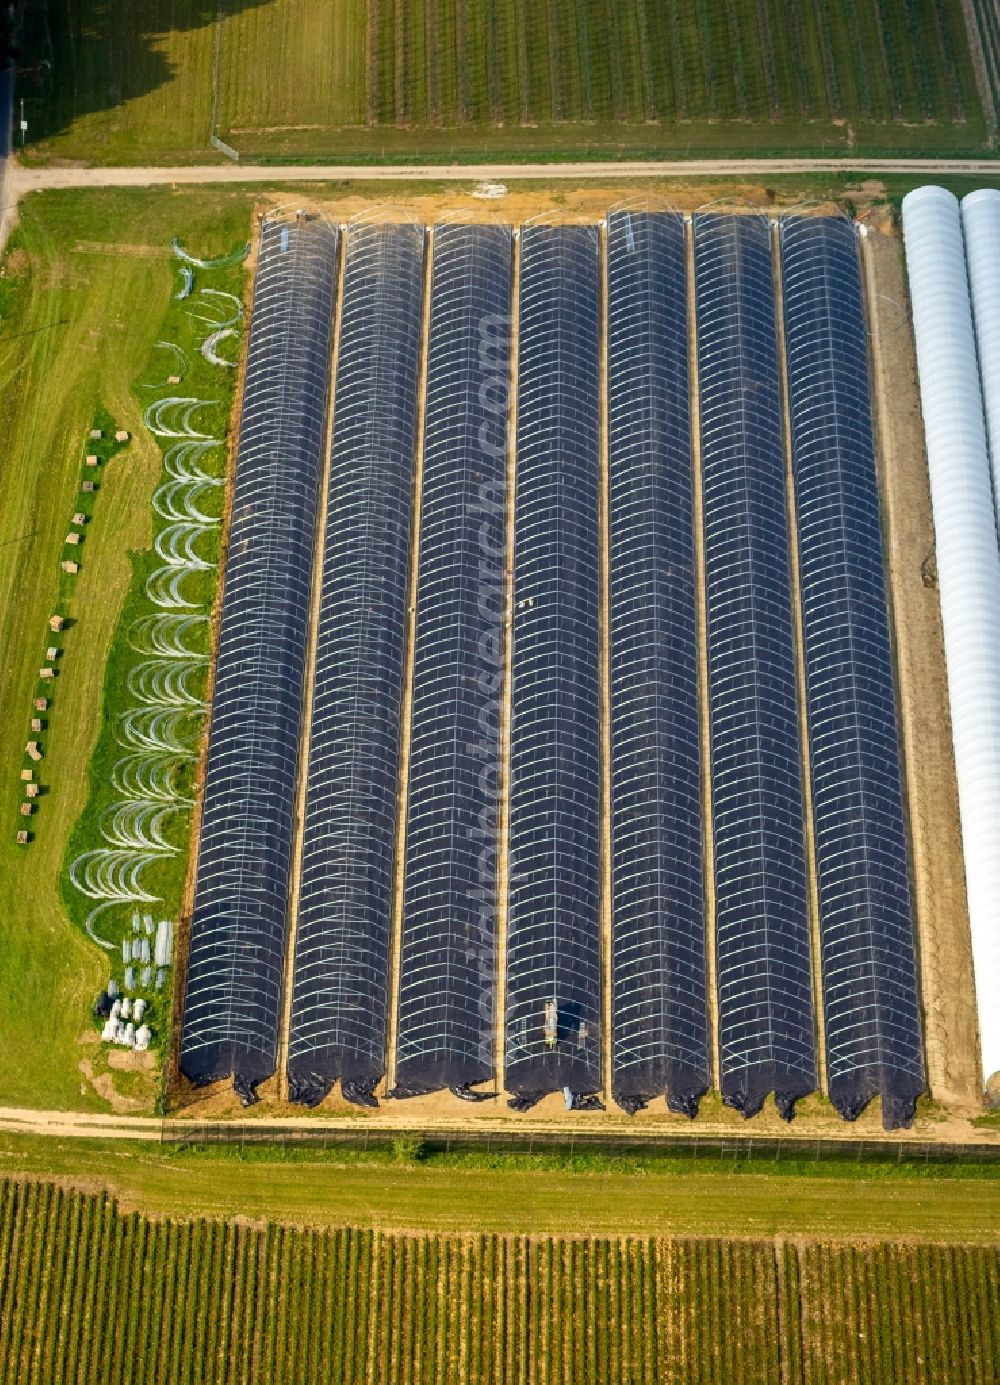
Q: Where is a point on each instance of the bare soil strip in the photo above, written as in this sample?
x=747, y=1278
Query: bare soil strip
x=943, y=935
x=23, y=180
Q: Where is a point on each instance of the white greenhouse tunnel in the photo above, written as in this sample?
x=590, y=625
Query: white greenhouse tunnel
x=981, y=224
x=968, y=558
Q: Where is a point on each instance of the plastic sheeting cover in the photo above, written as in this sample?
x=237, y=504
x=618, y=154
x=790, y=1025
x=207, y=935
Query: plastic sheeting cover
x=659, y=1020
x=241, y=896
x=553, y=1010
x=865, y=917
x=444, y=1036
x=340, y=976
x=981, y=224
x=968, y=564
x=762, y=929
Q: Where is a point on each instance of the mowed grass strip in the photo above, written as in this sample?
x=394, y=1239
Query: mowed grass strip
x=284, y=63
x=203, y=1300
x=126, y=82
x=522, y=1194
x=75, y=332
x=184, y=327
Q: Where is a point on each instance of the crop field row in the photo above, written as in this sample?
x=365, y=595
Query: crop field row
x=987, y=18
x=506, y=61
x=109, y=82
x=88, y=1292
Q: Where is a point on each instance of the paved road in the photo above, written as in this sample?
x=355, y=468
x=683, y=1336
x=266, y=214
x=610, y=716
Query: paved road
x=29, y=179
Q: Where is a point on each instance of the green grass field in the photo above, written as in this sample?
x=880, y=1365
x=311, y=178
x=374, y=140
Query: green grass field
x=115, y=826
x=515, y=1195
x=87, y=1292
x=364, y=79
x=77, y=323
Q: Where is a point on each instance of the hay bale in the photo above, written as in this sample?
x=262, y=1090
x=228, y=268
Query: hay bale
x=46, y=673
x=72, y=537
x=27, y=775
x=27, y=809
x=31, y=790
x=67, y=565
x=121, y=435
x=91, y=459
x=22, y=839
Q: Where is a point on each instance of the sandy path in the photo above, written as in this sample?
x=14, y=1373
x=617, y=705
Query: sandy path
x=944, y=943
x=25, y=180
x=91, y=1126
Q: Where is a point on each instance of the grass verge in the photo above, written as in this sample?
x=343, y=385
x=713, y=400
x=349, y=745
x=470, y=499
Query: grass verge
x=396, y=1189
x=85, y=288
x=126, y=691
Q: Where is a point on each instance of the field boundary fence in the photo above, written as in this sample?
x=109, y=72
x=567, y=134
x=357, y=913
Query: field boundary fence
x=224, y=148
x=217, y=55
x=758, y=1149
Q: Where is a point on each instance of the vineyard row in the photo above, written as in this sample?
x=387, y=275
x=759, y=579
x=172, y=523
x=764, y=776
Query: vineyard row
x=448, y=60
x=88, y=1293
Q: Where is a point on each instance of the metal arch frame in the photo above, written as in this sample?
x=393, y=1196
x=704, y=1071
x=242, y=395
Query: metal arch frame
x=444, y=1035
x=240, y=920
x=766, y=1034
x=558, y=219
x=659, y=1040
x=379, y=215
x=553, y=936
x=302, y=208
x=729, y=204
x=484, y=215
x=650, y=203
x=871, y=1005
x=339, y=996
x=807, y=207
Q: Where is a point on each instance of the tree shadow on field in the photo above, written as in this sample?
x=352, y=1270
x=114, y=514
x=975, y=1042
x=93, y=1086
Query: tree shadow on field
x=80, y=57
